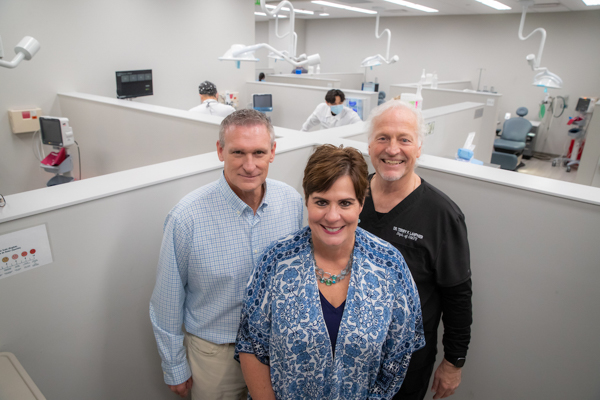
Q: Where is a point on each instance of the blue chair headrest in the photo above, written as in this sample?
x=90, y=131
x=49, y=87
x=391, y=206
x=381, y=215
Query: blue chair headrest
x=522, y=111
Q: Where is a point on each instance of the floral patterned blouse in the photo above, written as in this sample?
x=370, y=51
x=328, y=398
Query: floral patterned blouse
x=282, y=322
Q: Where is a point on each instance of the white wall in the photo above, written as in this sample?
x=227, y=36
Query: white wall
x=84, y=43
x=456, y=46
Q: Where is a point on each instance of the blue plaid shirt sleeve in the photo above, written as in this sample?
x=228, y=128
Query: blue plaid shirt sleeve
x=166, y=304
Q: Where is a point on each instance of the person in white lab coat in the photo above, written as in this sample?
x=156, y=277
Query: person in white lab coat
x=332, y=113
x=210, y=105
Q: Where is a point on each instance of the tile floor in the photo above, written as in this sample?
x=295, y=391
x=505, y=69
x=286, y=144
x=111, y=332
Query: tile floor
x=535, y=166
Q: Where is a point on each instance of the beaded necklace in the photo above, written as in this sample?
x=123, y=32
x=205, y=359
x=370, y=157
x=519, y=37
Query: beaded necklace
x=332, y=278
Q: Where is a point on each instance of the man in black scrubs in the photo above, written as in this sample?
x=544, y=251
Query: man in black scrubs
x=429, y=230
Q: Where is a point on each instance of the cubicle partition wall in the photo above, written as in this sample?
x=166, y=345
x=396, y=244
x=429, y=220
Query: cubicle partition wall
x=534, y=259
x=293, y=104
x=338, y=80
x=115, y=135
x=348, y=80
x=306, y=80
x=433, y=98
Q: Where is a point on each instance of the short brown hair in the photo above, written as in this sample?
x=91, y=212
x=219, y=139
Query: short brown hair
x=245, y=117
x=329, y=163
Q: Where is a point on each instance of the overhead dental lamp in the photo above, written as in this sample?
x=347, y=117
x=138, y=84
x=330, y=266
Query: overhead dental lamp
x=25, y=49
x=543, y=78
x=378, y=59
x=240, y=52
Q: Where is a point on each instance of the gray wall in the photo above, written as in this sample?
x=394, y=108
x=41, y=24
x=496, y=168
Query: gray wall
x=83, y=43
x=456, y=46
x=534, y=259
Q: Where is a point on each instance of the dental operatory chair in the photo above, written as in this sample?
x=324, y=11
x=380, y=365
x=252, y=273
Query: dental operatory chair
x=508, y=148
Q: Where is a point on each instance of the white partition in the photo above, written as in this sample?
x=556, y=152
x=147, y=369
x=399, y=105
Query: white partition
x=433, y=98
x=349, y=80
x=293, y=104
x=447, y=130
x=303, y=79
x=116, y=135
x=534, y=257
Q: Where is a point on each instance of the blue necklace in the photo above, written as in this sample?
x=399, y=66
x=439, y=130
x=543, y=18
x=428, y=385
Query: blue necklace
x=322, y=275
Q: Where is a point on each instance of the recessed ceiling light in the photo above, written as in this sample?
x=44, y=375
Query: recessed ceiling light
x=295, y=9
x=592, y=2
x=323, y=15
x=412, y=5
x=260, y=14
x=356, y=9
x=494, y=4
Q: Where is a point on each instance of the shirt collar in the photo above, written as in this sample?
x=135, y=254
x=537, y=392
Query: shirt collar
x=238, y=204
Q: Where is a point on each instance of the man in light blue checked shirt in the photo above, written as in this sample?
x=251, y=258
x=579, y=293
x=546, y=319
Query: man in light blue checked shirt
x=212, y=239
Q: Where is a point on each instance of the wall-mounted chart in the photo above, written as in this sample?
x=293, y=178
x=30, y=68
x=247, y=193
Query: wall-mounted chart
x=24, y=250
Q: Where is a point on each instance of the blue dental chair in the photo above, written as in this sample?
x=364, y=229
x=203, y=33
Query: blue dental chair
x=508, y=148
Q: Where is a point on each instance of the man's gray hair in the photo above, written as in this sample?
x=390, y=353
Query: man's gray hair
x=245, y=117
x=396, y=105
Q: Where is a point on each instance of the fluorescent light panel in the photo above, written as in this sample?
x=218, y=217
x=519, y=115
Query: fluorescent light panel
x=413, y=5
x=356, y=9
x=295, y=10
x=494, y=4
x=592, y=2
x=323, y=15
x=260, y=14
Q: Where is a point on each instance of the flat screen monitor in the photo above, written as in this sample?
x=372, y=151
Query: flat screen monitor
x=370, y=87
x=262, y=102
x=134, y=83
x=51, y=133
x=582, y=104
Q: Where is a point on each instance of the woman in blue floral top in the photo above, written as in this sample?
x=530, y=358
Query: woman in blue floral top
x=331, y=311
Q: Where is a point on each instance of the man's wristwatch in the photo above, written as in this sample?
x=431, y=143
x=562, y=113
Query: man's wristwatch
x=458, y=362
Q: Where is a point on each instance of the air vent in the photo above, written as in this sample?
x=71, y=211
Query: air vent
x=542, y=6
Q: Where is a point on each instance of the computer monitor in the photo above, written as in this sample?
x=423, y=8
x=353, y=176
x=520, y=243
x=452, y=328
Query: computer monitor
x=56, y=131
x=370, y=87
x=262, y=102
x=134, y=83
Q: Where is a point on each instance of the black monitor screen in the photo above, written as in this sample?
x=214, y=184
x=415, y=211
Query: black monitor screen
x=51, y=134
x=582, y=104
x=134, y=83
x=262, y=101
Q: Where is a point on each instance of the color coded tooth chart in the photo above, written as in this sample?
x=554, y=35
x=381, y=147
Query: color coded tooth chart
x=24, y=250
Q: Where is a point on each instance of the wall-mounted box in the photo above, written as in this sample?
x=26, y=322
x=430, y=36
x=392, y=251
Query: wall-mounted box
x=22, y=121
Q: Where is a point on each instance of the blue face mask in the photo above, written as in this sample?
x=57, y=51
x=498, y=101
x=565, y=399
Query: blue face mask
x=337, y=109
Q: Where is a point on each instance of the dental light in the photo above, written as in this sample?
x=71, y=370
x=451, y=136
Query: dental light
x=378, y=59
x=25, y=49
x=543, y=78
x=240, y=52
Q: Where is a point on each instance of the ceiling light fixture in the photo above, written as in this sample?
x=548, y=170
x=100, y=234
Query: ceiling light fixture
x=544, y=78
x=413, y=5
x=494, y=4
x=260, y=14
x=323, y=15
x=295, y=10
x=355, y=9
x=592, y=2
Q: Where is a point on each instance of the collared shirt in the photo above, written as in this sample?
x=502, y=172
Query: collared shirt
x=322, y=115
x=283, y=324
x=213, y=107
x=211, y=241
